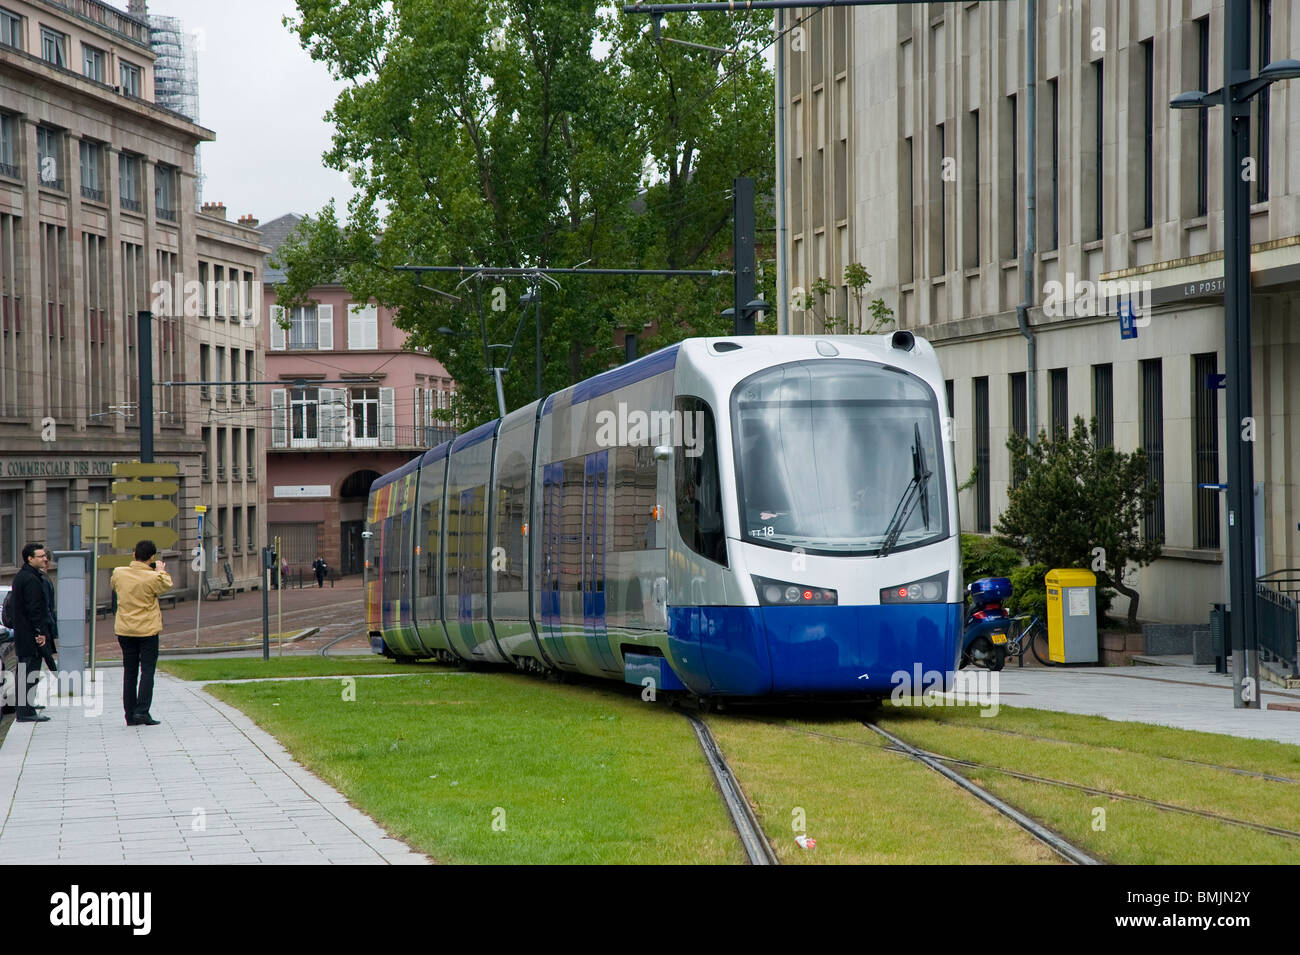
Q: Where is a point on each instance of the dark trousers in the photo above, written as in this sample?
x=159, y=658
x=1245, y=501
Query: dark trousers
x=29, y=673
x=320, y=578
x=139, y=657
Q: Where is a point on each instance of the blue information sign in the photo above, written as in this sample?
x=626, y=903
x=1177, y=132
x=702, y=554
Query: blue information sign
x=1127, y=322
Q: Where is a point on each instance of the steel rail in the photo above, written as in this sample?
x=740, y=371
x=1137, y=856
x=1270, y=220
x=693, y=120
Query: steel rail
x=752, y=837
x=1044, y=835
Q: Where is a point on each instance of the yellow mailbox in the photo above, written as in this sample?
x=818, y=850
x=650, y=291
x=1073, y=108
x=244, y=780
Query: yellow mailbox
x=1072, y=616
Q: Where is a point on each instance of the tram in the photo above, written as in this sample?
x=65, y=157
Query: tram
x=730, y=517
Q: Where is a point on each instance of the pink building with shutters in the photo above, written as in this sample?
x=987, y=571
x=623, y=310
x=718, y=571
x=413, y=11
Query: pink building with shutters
x=354, y=405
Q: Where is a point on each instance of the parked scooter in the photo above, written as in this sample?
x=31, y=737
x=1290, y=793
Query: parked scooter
x=984, y=640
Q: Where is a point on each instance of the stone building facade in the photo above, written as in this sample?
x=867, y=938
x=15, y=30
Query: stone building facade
x=905, y=152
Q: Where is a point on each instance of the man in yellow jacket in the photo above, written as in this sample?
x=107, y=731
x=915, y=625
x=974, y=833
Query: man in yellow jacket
x=137, y=625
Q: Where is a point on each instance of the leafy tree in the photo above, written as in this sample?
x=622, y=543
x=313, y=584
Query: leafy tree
x=518, y=133
x=1076, y=498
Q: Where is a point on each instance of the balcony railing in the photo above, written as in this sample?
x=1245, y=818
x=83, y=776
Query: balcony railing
x=131, y=205
x=167, y=215
x=400, y=436
x=56, y=184
x=6, y=169
x=89, y=192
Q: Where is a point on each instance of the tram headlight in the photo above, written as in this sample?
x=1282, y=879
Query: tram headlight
x=931, y=590
x=781, y=593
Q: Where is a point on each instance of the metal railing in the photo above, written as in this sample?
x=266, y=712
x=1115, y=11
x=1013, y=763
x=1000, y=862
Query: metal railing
x=167, y=215
x=6, y=169
x=391, y=436
x=90, y=192
x=1275, y=620
x=131, y=205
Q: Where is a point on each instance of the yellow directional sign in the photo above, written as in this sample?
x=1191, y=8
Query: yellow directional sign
x=162, y=537
x=142, y=512
x=142, y=488
x=88, y=512
x=136, y=469
x=114, y=560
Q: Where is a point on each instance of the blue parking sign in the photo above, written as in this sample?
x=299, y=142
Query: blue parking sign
x=1127, y=322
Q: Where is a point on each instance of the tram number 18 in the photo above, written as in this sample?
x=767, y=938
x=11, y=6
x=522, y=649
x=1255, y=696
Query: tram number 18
x=765, y=531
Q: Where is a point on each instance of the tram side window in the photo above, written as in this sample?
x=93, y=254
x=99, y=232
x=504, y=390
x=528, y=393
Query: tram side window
x=571, y=531
x=635, y=475
x=698, y=485
x=512, y=503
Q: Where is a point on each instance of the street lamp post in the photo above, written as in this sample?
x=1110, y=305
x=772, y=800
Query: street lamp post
x=1235, y=96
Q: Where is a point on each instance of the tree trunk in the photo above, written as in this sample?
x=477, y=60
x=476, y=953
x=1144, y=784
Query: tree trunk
x=1132, y=596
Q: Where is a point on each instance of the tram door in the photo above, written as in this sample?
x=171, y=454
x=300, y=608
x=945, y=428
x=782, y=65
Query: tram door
x=552, y=497
x=595, y=496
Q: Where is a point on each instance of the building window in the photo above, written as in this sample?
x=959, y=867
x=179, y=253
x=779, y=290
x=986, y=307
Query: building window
x=1202, y=118
x=304, y=405
x=1060, y=404
x=128, y=181
x=939, y=212
x=92, y=63
x=907, y=239
x=1205, y=408
x=10, y=527
x=48, y=142
x=1010, y=218
x=1263, y=47
x=250, y=456
x=165, y=192
x=1019, y=418
x=1148, y=129
x=363, y=327
x=130, y=75
x=1054, y=213
x=54, y=47
x=1153, y=443
x=9, y=145
x=1098, y=134
x=983, y=516
x=303, y=326
x=56, y=518
x=951, y=394
x=365, y=416
x=92, y=164
x=252, y=528
x=970, y=191
x=11, y=29
x=1103, y=404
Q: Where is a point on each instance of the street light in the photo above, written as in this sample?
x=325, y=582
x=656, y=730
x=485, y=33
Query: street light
x=1235, y=95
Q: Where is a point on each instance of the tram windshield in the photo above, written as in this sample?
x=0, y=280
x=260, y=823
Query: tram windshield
x=824, y=456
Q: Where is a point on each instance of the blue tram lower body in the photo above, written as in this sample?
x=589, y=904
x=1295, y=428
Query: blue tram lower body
x=761, y=651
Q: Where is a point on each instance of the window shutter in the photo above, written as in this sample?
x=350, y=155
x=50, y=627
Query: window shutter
x=419, y=407
x=387, y=435
x=370, y=327
x=277, y=330
x=355, y=331
x=279, y=418
x=325, y=327
x=333, y=417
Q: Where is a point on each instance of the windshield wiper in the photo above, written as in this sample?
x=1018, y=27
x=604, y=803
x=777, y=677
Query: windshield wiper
x=914, y=492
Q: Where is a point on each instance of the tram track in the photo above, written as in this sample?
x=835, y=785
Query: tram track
x=324, y=650
x=1066, y=850
x=752, y=838
x=901, y=747
x=1176, y=759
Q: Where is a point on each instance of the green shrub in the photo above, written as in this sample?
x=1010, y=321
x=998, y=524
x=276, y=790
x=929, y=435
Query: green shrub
x=986, y=557
x=1029, y=590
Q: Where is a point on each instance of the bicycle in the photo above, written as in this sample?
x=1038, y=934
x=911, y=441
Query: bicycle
x=1030, y=636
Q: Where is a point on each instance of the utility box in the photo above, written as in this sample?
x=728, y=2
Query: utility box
x=1072, y=616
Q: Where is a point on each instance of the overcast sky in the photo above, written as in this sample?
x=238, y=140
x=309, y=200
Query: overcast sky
x=265, y=98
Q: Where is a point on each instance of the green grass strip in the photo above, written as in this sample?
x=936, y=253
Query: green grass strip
x=496, y=768
x=253, y=668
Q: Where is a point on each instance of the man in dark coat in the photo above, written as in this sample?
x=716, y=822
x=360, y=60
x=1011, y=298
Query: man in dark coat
x=51, y=623
x=31, y=630
x=321, y=569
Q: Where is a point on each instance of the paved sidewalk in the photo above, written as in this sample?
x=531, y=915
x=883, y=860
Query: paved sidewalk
x=1187, y=697
x=205, y=786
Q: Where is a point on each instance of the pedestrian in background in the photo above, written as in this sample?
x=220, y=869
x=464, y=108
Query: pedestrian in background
x=52, y=620
x=321, y=569
x=138, y=625
x=31, y=612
